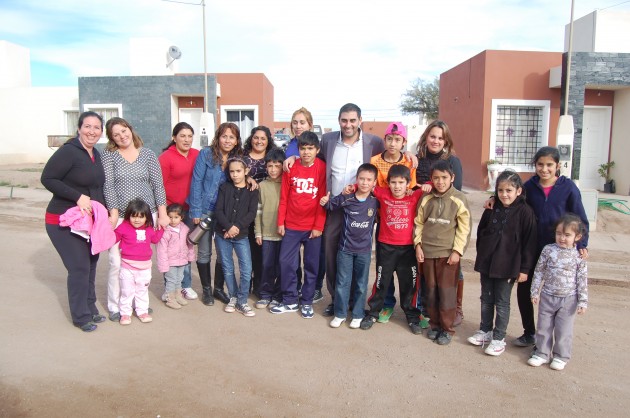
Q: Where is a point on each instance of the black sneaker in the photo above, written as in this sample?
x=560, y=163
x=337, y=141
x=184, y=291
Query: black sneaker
x=432, y=334
x=329, y=311
x=415, y=328
x=114, y=316
x=318, y=297
x=525, y=340
x=367, y=322
x=220, y=295
x=444, y=338
x=98, y=318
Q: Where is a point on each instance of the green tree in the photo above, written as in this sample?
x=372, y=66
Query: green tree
x=422, y=98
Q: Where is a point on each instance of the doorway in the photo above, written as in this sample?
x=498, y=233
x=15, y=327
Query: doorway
x=595, y=145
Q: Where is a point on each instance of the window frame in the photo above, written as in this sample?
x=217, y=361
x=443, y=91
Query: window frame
x=241, y=108
x=545, y=106
x=70, y=130
x=95, y=107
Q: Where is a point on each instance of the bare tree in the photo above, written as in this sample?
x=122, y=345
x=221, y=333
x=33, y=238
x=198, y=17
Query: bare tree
x=422, y=99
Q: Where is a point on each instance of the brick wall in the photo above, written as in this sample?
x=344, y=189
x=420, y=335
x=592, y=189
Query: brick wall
x=587, y=69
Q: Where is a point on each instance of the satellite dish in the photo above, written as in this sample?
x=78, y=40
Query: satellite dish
x=174, y=53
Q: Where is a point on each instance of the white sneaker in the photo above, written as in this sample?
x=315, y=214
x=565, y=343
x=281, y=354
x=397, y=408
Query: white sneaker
x=480, y=338
x=557, y=364
x=231, y=306
x=189, y=293
x=336, y=322
x=496, y=348
x=536, y=361
x=355, y=323
x=164, y=296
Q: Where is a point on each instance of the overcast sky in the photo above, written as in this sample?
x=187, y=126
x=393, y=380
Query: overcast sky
x=317, y=53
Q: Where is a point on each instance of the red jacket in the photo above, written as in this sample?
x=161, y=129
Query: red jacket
x=177, y=174
x=302, y=188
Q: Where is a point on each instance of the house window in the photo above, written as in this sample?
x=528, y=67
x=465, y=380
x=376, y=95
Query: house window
x=245, y=117
x=107, y=111
x=71, y=121
x=519, y=128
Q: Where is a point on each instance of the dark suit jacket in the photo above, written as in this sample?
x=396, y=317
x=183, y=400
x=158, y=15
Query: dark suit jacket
x=372, y=145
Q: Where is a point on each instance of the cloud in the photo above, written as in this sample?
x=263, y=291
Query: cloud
x=317, y=53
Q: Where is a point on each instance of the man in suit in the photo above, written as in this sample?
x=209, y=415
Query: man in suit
x=343, y=151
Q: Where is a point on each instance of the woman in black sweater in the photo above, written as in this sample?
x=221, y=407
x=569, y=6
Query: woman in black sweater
x=74, y=174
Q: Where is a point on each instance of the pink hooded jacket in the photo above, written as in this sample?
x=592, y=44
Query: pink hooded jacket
x=173, y=249
x=95, y=228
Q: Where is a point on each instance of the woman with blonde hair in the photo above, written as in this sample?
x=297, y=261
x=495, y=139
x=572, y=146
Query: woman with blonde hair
x=301, y=121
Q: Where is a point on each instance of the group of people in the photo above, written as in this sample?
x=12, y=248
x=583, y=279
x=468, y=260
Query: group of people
x=294, y=217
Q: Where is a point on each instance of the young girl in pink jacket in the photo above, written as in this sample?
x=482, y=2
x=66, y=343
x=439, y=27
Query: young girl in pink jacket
x=174, y=254
x=136, y=234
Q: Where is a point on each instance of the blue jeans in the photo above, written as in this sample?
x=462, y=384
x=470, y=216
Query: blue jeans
x=349, y=265
x=173, y=278
x=241, y=248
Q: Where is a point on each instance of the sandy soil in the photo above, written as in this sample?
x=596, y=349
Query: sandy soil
x=200, y=361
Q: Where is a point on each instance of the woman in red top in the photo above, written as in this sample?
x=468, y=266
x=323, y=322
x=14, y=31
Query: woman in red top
x=177, y=162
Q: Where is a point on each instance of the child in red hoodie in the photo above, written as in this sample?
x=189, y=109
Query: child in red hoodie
x=136, y=234
x=301, y=222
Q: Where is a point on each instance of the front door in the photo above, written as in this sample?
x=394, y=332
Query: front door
x=595, y=145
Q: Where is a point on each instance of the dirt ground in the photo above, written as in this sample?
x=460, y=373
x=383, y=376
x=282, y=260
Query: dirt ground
x=200, y=361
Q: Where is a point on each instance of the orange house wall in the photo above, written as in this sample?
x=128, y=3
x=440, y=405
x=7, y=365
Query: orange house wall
x=247, y=89
x=466, y=94
x=461, y=107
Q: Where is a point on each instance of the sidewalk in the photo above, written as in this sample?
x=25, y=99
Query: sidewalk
x=609, y=262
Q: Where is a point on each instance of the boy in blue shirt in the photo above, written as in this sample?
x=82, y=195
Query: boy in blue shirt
x=355, y=246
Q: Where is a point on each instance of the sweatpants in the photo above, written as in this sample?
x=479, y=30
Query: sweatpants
x=555, y=326
x=399, y=259
x=77, y=258
x=134, y=289
x=289, y=260
x=441, y=299
x=270, y=278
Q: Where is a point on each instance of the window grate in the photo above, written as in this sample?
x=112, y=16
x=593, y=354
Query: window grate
x=518, y=134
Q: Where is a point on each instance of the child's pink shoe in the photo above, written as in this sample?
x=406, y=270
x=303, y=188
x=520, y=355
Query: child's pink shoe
x=125, y=320
x=145, y=318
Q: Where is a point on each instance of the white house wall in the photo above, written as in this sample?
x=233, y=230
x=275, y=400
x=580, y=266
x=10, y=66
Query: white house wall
x=600, y=31
x=29, y=115
x=620, y=143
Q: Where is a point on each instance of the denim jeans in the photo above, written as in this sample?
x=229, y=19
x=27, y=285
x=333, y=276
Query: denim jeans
x=495, y=293
x=241, y=248
x=187, y=280
x=173, y=278
x=349, y=265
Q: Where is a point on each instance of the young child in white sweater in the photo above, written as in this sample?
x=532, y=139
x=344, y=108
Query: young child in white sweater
x=560, y=289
